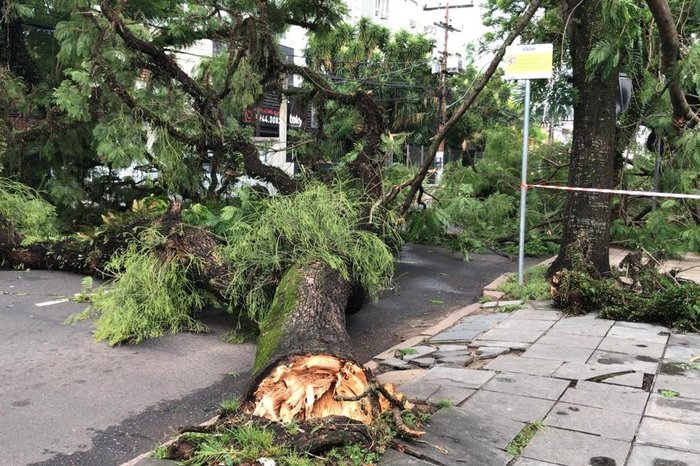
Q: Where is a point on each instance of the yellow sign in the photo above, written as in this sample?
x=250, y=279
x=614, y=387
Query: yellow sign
x=532, y=61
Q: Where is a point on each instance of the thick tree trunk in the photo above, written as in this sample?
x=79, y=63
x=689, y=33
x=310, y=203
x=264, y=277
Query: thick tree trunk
x=587, y=215
x=305, y=367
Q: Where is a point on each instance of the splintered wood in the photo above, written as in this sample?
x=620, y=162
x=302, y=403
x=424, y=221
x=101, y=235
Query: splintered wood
x=316, y=386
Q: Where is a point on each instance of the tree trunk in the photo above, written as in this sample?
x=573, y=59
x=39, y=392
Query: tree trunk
x=68, y=255
x=184, y=243
x=305, y=367
x=587, y=215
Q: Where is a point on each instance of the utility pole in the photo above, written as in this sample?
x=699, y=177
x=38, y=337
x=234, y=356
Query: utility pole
x=440, y=156
x=442, y=118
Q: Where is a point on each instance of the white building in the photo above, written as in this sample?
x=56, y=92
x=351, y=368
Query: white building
x=393, y=14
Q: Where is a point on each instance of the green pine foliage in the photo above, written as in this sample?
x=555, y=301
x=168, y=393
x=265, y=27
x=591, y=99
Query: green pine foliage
x=151, y=296
x=267, y=236
x=478, y=211
x=644, y=295
x=263, y=237
x=669, y=303
x=672, y=228
x=34, y=218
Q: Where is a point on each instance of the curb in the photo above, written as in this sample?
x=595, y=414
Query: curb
x=490, y=290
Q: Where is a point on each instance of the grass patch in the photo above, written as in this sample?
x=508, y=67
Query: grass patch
x=244, y=444
x=518, y=444
x=509, y=308
x=160, y=452
x=405, y=352
x=234, y=445
x=666, y=393
x=535, y=285
x=352, y=455
x=444, y=404
x=240, y=439
x=229, y=406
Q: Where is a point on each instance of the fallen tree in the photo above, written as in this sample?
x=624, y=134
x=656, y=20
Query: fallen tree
x=292, y=262
x=305, y=366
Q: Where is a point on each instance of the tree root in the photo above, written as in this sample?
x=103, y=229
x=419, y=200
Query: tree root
x=399, y=405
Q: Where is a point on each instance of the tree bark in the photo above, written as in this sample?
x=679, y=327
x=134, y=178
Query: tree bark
x=670, y=50
x=305, y=367
x=68, y=255
x=587, y=215
x=184, y=243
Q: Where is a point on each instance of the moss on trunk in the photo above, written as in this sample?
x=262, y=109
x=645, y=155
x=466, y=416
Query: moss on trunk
x=284, y=303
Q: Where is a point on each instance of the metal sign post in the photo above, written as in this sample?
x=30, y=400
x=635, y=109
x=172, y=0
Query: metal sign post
x=526, y=62
x=523, y=185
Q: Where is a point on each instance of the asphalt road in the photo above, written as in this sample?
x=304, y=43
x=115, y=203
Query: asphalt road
x=66, y=400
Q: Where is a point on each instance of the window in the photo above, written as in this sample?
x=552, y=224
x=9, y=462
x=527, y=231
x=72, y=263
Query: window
x=381, y=9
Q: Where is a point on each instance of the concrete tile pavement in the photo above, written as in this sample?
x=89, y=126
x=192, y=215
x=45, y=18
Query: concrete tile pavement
x=609, y=393
x=604, y=392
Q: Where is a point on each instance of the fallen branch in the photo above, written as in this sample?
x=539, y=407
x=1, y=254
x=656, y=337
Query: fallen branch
x=469, y=99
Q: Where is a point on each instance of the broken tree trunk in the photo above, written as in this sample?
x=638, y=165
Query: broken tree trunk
x=184, y=243
x=305, y=367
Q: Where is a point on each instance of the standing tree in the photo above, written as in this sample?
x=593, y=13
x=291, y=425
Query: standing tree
x=593, y=145
x=606, y=37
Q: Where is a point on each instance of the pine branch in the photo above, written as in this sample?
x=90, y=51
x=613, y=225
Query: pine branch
x=670, y=50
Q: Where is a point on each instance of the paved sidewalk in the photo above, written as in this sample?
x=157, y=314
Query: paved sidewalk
x=608, y=393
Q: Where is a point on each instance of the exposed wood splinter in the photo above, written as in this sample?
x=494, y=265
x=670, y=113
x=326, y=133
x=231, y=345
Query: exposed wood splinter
x=318, y=386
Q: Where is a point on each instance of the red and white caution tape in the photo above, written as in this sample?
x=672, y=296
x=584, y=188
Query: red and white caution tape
x=613, y=191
